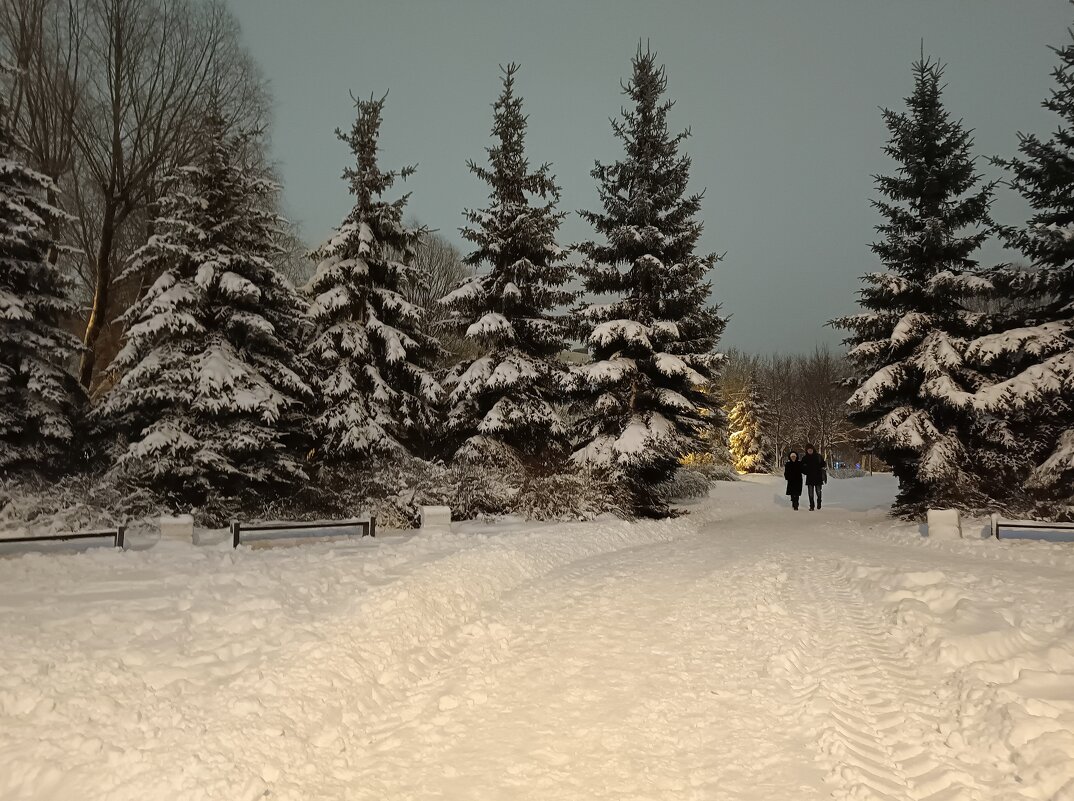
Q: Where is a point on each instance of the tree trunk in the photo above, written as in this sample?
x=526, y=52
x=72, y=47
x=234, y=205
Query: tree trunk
x=101, y=292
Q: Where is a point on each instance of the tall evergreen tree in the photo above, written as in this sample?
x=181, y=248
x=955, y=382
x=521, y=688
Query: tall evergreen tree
x=211, y=390
x=913, y=390
x=371, y=352
x=39, y=399
x=1031, y=360
x=750, y=445
x=641, y=402
x=502, y=404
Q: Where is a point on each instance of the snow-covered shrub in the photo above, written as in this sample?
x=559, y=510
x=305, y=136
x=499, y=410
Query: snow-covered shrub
x=83, y=501
x=847, y=472
x=391, y=489
x=685, y=485
x=477, y=491
x=578, y=495
x=394, y=491
x=722, y=472
x=711, y=469
x=74, y=503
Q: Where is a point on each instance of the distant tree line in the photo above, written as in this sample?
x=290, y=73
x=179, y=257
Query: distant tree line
x=788, y=401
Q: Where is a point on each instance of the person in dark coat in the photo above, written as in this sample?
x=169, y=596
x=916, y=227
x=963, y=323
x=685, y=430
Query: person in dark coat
x=792, y=471
x=816, y=474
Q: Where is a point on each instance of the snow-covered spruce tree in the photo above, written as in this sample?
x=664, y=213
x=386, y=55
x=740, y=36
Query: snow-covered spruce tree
x=1030, y=361
x=211, y=390
x=641, y=403
x=39, y=398
x=913, y=391
x=503, y=404
x=371, y=354
x=750, y=445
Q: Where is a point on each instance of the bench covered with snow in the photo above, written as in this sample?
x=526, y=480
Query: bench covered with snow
x=117, y=534
x=368, y=525
x=999, y=524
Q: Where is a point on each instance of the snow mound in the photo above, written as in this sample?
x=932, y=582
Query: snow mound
x=206, y=673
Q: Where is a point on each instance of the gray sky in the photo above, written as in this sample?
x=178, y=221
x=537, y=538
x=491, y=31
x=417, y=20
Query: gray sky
x=782, y=97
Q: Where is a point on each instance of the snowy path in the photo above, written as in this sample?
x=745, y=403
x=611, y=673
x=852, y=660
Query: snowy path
x=744, y=652
x=618, y=678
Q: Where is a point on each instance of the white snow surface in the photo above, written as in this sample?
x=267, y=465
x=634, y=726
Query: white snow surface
x=742, y=652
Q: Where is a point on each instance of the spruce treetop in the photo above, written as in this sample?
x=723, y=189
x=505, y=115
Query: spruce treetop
x=508, y=175
x=514, y=238
x=1044, y=176
x=929, y=201
x=935, y=218
x=367, y=181
x=650, y=226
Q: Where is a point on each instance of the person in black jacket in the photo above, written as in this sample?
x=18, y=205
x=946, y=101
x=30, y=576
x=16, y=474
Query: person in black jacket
x=816, y=474
x=792, y=471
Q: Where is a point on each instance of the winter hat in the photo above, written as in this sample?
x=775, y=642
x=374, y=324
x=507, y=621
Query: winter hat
x=792, y=453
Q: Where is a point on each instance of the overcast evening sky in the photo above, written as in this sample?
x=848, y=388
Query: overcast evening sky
x=782, y=98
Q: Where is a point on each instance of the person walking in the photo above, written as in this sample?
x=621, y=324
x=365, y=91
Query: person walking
x=816, y=474
x=792, y=471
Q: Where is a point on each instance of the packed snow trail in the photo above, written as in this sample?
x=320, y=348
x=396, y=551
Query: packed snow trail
x=631, y=675
x=743, y=652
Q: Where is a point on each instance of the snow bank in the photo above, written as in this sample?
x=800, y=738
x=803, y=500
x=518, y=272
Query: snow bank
x=207, y=673
x=923, y=667
x=1007, y=653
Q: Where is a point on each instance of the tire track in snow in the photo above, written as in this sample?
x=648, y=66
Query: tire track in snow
x=875, y=719
x=636, y=675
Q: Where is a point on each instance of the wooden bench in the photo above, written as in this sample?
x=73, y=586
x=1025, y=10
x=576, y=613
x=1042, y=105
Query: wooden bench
x=368, y=525
x=117, y=534
x=998, y=524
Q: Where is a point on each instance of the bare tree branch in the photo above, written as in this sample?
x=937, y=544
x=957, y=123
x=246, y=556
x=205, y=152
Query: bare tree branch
x=110, y=96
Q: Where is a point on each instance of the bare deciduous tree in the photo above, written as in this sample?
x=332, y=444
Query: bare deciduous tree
x=822, y=402
x=804, y=400
x=40, y=40
x=736, y=372
x=443, y=268
x=111, y=94
x=778, y=381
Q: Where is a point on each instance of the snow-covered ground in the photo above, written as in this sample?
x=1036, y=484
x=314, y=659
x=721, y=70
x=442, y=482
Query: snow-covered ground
x=742, y=652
